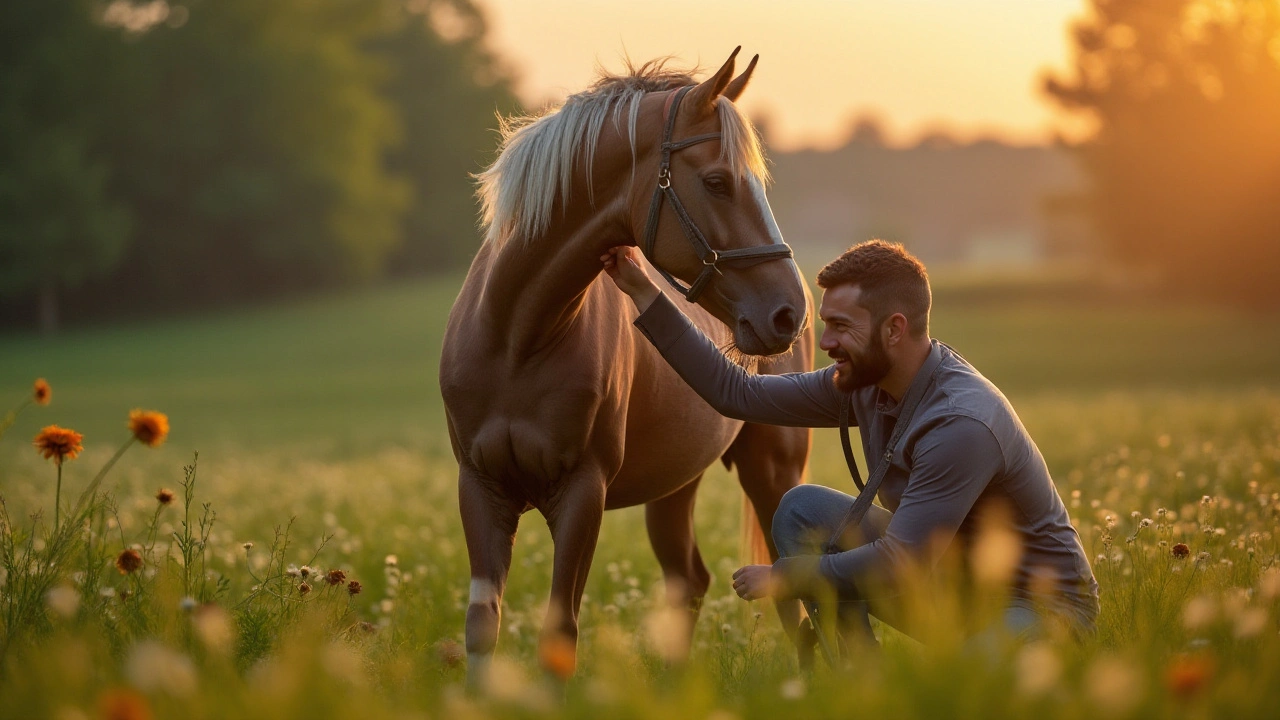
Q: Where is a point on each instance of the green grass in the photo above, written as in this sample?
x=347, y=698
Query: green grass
x=327, y=412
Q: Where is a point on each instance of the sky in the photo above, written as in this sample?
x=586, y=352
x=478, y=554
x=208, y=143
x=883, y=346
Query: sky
x=967, y=67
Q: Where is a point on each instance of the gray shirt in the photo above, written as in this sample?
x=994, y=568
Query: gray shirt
x=965, y=449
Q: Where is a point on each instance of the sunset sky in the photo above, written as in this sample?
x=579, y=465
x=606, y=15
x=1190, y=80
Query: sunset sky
x=968, y=66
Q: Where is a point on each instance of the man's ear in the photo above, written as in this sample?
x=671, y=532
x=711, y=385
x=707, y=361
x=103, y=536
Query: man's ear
x=896, y=328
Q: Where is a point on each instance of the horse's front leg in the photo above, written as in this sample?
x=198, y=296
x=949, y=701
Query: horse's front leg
x=574, y=520
x=489, y=520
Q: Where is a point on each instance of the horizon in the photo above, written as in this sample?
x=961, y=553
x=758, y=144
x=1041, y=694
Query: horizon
x=914, y=63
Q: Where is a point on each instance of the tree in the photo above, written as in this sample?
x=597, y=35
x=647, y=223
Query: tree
x=447, y=88
x=1185, y=162
x=58, y=226
x=249, y=140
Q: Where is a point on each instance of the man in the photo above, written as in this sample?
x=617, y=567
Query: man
x=963, y=451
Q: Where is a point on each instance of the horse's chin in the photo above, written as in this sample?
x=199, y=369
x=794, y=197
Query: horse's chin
x=748, y=342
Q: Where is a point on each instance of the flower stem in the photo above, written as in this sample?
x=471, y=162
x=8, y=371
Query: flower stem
x=57, y=498
x=97, y=480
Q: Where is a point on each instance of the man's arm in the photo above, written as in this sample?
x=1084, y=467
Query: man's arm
x=797, y=399
x=953, y=463
x=808, y=399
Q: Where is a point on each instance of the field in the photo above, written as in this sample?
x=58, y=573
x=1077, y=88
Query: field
x=321, y=419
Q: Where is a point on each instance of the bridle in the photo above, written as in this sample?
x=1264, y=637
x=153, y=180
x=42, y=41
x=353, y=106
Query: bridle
x=710, y=258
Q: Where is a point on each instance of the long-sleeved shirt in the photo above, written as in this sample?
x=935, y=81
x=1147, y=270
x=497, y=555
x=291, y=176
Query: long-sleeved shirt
x=964, y=450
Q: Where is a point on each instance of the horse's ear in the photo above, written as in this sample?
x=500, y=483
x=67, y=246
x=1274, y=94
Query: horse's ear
x=702, y=98
x=734, y=89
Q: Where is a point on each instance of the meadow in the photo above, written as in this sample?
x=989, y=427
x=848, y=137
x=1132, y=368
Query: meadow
x=321, y=444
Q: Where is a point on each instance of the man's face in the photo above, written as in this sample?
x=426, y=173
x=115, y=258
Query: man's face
x=851, y=339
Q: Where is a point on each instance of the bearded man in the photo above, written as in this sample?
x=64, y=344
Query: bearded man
x=962, y=454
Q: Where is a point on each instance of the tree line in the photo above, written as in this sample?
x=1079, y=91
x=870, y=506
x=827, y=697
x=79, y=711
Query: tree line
x=164, y=155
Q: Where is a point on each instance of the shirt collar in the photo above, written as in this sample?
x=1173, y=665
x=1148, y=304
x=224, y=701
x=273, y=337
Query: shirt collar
x=886, y=405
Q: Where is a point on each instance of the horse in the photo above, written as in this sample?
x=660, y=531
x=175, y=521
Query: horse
x=553, y=400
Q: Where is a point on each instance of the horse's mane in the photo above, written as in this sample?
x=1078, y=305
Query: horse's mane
x=537, y=152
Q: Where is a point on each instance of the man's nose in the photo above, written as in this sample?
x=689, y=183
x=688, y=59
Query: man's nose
x=826, y=342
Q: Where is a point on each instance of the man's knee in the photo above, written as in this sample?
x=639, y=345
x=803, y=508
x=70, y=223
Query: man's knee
x=793, y=522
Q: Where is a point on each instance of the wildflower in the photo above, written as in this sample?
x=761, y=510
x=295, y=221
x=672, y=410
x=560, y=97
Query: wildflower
x=451, y=653
x=123, y=704
x=792, y=689
x=1114, y=685
x=164, y=496
x=292, y=570
x=42, y=393
x=1206, y=500
x=187, y=604
x=367, y=627
x=305, y=571
x=303, y=589
x=63, y=600
x=1162, y=512
x=1038, y=668
x=1250, y=622
x=354, y=587
x=129, y=561
x=149, y=427
x=213, y=626
x=152, y=666
x=1188, y=674
x=1199, y=612
x=58, y=444
x=1180, y=550
x=247, y=546
x=335, y=577
x=392, y=561
x=1204, y=556
x=558, y=656
x=1146, y=522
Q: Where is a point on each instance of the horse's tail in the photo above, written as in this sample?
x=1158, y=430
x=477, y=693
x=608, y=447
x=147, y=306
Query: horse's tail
x=753, y=549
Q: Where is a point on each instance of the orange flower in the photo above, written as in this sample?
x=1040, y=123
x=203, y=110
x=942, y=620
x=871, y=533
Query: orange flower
x=1180, y=550
x=354, y=587
x=558, y=656
x=123, y=704
x=42, y=392
x=57, y=444
x=149, y=427
x=1188, y=674
x=129, y=561
x=164, y=496
x=335, y=577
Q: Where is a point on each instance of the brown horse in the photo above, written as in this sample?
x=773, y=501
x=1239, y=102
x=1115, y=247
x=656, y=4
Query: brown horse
x=554, y=400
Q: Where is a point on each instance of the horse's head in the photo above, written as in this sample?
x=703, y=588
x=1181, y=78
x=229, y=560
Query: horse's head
x=700, y=212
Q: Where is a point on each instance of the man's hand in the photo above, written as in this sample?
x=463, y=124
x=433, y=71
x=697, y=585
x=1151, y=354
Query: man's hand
x=754, y=582
x=624, y=268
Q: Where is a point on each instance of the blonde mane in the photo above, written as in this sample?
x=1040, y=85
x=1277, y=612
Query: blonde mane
x=537, y=152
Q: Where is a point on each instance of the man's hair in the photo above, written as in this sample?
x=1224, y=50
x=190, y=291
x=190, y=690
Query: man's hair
x=892, y=281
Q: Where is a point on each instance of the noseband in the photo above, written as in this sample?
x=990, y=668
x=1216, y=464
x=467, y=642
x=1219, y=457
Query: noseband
x=711, y=259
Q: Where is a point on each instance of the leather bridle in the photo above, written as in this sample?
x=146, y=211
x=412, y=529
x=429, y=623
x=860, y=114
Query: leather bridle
x=711, y=259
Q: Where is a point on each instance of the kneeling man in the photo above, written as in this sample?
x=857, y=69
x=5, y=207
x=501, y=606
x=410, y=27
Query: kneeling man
x=962, y=450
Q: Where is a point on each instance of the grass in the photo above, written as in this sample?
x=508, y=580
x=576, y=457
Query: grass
x=321, y=419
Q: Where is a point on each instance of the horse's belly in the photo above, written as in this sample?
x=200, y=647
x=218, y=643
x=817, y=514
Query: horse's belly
x=664, y=458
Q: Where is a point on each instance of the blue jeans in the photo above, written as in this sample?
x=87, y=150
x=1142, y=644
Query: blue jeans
x=806, y=518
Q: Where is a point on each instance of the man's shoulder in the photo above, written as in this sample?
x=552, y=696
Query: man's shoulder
x=960, y=390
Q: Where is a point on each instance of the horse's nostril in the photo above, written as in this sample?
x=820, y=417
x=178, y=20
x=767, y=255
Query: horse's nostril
x=784, y=321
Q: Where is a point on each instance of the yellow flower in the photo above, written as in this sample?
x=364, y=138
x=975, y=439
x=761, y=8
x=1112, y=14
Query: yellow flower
x=149, y=427
x=42, y=392
x=58, y=444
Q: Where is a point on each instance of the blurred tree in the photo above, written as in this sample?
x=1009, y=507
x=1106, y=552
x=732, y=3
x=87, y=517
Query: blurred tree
x=248, y=138
x=1185, y=95
x=448, y=88
x=58, y=227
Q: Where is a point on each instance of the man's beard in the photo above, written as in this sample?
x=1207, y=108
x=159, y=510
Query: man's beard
x=865, y=369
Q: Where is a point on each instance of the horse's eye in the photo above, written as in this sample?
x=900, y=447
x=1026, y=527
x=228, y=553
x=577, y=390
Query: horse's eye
x=716, y=184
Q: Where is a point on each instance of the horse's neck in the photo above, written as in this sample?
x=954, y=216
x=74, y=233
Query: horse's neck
x=535, y=291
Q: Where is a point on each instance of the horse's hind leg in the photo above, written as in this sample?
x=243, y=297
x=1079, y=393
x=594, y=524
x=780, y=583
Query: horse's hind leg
x=671, y=533
x=574, y=520
x=489, y=522
x=770, y=461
